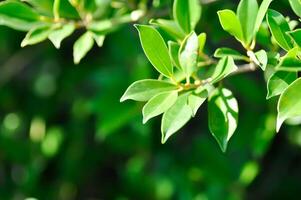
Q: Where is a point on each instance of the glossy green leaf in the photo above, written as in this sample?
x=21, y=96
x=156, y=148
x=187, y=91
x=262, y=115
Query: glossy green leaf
x=296, y=6
x=224, y=67
x=144, y=90
x=155, y=49
x=188, y=54
x=58, y=35
x=289, y=104
x=170, y=27
x=18, y=15
x=247, y=12
x=99, y=39
x=202, y=41
x=196, y=100
x=36, y=35
x=279, y=26
x=82, y=46
x=174, y=48
x=44, y=7
x=231, y=24
x=175, y=117
x=290, y=64
x=187, y=13
x=261, y=14
x=296, y=36
x=224, y=51
x=262, y=59
x=222, y=116
x=279, y=81
x=159, y=104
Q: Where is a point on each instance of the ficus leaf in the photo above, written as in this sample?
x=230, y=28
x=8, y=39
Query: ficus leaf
x=296, y=6
x=82, y=46
x=155, y=49
x=36, y=35
x=175, y=117
x=170, y=27
x=262, y=59
x=144, y=90
x=222, y=116
x=187, y=13
x=290, y=64
x=224, y=67
x=188, y=54
x=231, y=24
x=289, y=104
x=247, y=12
x=202, y=41
x=279, y=26
x=158, y=104
x=279, y=81
x=261, y=14
x=296, y=36
x=224, y=51
x=58, y=35
x=196, y=100
x=174, y=48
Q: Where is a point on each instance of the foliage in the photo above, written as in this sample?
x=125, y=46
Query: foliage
x=65, y=135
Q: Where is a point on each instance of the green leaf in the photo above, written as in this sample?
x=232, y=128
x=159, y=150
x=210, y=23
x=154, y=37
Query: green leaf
x=82, y=46
x=296, y=36
x=174, y=53
x=247, y=12
x=290, y=64
x=99, y=39
x=170, y=27
x=222, y=116
x=262, y=59
x=36, y=35
x=261, y=14
x=289, y=104
x=158, y=104
x=202, y=41
x=175, y=117
x=155, y=49
x=279, y=26
x=144, y=90
x=188, y=54
x=196, y=100
x=18, y=15
x=187, y=13
x=43, y=7
x=224, y=67
x=222, y=52
x=296, y=6
x=58, y=35
x=231, y=24
x=278, y=82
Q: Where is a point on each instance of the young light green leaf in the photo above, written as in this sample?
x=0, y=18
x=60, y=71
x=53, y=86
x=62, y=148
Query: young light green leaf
x=82, y=46
x=187, y=13
x=170, y=27
x=155, y=49
x=296, y=6
x=278, y=82
x=99, y=38
x=290, y=64
x=262, y=59
x=58, y=35
x=196, y=100
x=222, y=116
x=261, y=14
x=174, y=53
x=144, y=90
x=289, y=104
x=158, y=105
x=36, y=35
x=231, y=24
x=224, y=67
x=296, y=36
x=279, y=26
x=188, y=54
x=224, y=51
x=247, y=12
x=18, y=15
x=175, y=117
x=202, y=41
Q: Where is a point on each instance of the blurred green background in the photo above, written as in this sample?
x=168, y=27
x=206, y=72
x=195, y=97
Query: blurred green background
x=64, y=134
